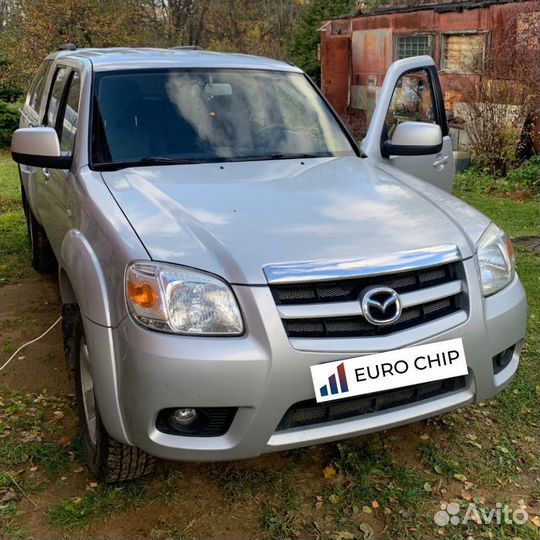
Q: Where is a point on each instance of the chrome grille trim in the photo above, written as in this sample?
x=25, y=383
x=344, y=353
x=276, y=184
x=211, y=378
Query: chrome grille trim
x=354, y=309
x=353, y=268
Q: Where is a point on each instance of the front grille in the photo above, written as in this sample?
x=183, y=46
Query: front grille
x=316, y=295
x=349, y=289
x=358, y=326
x=309, y=412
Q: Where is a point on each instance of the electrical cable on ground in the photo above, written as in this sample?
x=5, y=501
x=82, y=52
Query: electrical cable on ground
x=30, y=343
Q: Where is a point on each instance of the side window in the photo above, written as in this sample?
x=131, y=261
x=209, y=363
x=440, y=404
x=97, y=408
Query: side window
x=70, y=118
x=38, y=83
x=55, y=98
x=412, y=101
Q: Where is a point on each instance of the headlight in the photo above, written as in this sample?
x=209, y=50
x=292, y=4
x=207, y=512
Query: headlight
x=495, y=260
x=181, y=300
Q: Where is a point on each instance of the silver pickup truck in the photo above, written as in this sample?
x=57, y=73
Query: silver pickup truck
x=238, y=274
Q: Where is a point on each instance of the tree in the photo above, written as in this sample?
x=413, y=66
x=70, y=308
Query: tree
x=41, y=26
x=305, y=35
x=250, y=26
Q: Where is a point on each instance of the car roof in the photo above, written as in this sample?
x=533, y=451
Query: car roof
x=127, y=58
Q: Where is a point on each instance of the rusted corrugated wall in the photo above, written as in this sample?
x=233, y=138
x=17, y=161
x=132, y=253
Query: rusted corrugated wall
x=372, y=45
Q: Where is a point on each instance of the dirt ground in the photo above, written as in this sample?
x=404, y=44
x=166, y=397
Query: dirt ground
x=292, y=494
x=27, y=309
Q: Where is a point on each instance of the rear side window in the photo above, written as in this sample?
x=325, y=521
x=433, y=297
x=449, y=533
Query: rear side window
x=55, y=98
x=38, y=84
x=71, y=115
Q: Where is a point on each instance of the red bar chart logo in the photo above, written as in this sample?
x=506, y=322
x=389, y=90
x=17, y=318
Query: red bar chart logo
x=333, y=382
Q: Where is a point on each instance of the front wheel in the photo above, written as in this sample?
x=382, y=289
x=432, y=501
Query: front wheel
x=107, y=459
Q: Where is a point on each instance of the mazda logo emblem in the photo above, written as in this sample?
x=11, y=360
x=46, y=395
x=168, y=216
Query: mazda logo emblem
x=380, y=305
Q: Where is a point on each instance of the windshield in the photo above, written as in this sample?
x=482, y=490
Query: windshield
x=168, y=116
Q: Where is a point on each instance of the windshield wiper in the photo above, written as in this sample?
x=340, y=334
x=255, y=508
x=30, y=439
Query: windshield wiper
x=167, y=161
x=299, y=156
x=269, y=157
x=116, y=166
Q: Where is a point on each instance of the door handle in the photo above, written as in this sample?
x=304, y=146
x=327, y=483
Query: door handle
x=46, y=174
x=441, y=161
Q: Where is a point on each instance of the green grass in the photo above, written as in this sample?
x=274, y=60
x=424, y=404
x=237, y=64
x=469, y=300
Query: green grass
x=10, y=194
x=434, y=459
x=239, y=484
x=14, y=260
x=78, y=512
x=372, y=474
x=517, y=218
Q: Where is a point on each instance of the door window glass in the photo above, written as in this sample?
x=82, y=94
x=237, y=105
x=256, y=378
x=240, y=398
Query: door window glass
x=412, y=101
x=36, y=89
x=55, y=98
x=71, y=115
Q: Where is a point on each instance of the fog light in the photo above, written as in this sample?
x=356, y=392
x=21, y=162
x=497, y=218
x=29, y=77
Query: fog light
x=183, y=417
x=501, y=360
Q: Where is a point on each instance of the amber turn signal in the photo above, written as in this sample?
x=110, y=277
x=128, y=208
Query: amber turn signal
x=143, y=295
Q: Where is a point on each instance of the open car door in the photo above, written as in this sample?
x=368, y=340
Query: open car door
x=408, y=129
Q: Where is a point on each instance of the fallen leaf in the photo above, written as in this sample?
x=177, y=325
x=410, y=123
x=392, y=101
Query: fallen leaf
x=64, y=441
x=367, y=530
x=375, y=504
x=334, y=499
x=536, y=521
x=427, y=487
x=329, y=472
x=367, y=510
x=424, y=437
x=460, y=477
x=10, y=495
x=344, y=535
x=78, y=470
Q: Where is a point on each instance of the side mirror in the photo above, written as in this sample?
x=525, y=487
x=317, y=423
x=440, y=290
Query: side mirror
x=38, y=147
x=413, y=139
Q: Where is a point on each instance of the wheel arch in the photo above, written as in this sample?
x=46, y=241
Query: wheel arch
x=82, y=281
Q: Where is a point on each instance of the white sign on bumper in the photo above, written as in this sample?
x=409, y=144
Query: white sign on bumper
x=388, y=370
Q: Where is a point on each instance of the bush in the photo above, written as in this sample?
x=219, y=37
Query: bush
x=9, y=122
x=10, y=93
x=525, y=178
x=527, y=175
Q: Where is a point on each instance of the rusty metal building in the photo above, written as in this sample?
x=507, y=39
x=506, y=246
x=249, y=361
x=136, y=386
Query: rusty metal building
x=356, y=51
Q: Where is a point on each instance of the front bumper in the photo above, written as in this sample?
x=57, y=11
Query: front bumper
x=263, y=375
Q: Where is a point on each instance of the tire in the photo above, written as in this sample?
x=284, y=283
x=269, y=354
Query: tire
x=108, y=460
x=43, y=259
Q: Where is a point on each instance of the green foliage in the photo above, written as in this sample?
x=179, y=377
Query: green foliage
x=305, y=34
x=526, y=175
x=525, y=178
x=9, y=122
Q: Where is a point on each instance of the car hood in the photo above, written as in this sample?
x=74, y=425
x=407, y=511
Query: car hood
x=233, y=219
